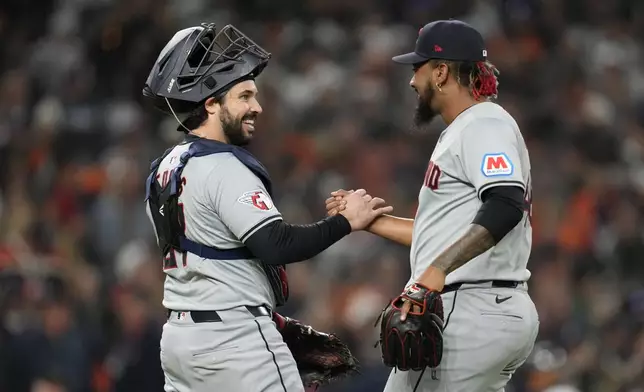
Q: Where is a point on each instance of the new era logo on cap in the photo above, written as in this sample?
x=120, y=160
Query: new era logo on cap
x=462, y=42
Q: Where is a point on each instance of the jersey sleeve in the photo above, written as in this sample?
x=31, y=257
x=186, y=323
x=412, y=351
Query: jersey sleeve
x=240, y=199
x=490, y=155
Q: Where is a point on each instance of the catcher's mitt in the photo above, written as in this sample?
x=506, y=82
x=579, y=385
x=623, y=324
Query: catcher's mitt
x=417, y=342
x=321, y=358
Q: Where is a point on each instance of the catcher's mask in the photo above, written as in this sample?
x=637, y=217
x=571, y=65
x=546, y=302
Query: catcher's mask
x=200, y=62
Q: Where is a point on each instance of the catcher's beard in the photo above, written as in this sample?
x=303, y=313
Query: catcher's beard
x=233, y=128
x=424, y=113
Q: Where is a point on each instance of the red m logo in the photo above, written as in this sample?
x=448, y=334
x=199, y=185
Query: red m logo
x=497, y=162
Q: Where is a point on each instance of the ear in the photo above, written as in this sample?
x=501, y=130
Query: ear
x=212, y=106
x=441, y=73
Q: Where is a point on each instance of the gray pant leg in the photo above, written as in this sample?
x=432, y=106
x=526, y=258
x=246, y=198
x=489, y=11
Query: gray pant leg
x=400, y=381
x=484, y=343
x=240, y=355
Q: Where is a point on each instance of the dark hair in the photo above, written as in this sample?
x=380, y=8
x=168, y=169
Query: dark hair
x=480, y=76
x=194, y=119
x=197, y=116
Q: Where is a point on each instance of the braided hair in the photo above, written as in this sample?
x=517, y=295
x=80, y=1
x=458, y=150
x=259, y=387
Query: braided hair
x=479, y=77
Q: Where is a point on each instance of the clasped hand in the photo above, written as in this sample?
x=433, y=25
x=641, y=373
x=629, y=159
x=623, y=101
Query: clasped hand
x=358, y=207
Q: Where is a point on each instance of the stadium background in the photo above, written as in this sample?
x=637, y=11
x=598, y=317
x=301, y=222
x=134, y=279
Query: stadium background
x=80, y=285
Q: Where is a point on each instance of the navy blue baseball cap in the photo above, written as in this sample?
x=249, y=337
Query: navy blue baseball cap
x=446, y=40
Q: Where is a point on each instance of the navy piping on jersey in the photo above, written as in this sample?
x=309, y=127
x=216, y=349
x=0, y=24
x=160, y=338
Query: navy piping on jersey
x=250, y=231
x=279, y=372
x=420, y=377
x=497, y=183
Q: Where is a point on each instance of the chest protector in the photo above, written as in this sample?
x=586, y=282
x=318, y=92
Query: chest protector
x=169, y=220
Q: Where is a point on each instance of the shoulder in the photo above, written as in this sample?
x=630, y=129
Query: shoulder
x=232, y=165
x=220, y=160
x=170, y=156
x=490, y=120
x=224, y=167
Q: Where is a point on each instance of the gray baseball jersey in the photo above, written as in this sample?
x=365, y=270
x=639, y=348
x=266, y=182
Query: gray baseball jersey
x=223, y=204
x=481, y=148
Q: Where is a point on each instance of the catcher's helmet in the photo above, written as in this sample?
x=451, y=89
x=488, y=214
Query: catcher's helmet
x=200, y=62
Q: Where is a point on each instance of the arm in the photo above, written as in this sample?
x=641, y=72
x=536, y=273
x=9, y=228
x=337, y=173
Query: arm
x=474, y=242
x=281, y=243
x=393, y=228
x=501, y=211
x=386, y=226
x=242, y=203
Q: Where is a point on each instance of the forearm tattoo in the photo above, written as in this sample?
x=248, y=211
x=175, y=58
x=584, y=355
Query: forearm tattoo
x=474, y=242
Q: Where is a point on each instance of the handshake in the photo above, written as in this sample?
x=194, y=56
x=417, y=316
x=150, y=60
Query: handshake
x=358, y=207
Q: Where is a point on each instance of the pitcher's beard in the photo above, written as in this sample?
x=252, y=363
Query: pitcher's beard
x=424, y=113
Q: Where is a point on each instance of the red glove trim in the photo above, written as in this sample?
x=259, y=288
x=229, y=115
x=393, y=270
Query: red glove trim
x=279, y=320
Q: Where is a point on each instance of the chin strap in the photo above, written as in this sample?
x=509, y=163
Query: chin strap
x=175, y=115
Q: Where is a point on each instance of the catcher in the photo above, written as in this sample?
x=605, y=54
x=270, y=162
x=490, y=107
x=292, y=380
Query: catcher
x=223, y=242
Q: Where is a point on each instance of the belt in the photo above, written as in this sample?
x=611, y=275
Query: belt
x=212, y=316
x=512, y=284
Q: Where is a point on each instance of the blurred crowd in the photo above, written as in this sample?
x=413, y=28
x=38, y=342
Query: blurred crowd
x=81, y=279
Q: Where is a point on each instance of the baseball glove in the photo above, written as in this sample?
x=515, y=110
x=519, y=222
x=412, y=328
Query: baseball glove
x=321, y=358
x=417, y=342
